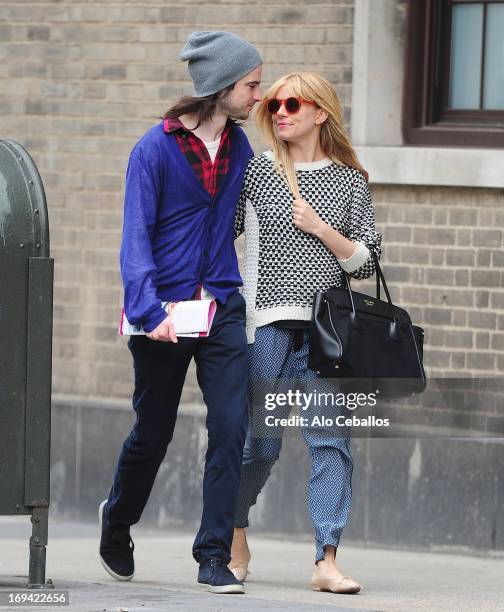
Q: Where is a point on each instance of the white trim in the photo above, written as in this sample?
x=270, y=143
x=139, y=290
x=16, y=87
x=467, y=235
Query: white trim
x=283, y=313
x=251, y=275
x=357, y=259
x=377, y=73
x=433, y=166
x=258, y=318
x=316, y=165
x=377, y=90
x=358, y=121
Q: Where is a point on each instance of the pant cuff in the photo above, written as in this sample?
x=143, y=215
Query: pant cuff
x=320, y=552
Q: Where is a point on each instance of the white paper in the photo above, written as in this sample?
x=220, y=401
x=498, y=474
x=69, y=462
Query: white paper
x=191, y=319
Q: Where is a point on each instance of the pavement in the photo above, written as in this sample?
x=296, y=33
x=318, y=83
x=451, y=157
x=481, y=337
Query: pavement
x=165, y=576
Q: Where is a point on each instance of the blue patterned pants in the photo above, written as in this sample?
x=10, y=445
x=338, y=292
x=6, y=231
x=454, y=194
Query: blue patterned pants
x=280, y=353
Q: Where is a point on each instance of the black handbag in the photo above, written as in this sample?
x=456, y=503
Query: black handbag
x=367, y=341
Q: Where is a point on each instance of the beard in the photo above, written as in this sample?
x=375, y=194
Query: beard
x=232, y=110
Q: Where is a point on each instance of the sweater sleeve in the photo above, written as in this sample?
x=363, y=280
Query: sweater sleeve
x=362, y=231
x=138, y=270
x=239, y=223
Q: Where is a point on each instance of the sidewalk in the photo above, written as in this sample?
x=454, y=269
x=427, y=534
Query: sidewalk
x=165, y=576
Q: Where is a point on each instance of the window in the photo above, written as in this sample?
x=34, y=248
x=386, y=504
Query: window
x=454, y=81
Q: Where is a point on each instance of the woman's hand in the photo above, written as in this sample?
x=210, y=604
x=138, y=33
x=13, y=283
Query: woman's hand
x=305, y=218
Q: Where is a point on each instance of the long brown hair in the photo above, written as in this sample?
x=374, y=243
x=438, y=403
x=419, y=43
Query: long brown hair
x=334, y=139
x=203, y=107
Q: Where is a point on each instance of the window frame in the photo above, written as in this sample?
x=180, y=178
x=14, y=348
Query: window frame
x=426, y=120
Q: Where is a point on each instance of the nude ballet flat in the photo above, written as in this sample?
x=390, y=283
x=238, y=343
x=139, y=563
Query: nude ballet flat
x=240, y=571
x=343, y=585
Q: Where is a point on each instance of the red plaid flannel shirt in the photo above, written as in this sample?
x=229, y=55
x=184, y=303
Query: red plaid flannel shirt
x=210, y=174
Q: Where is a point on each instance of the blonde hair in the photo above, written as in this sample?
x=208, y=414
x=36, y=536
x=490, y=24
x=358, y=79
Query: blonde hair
x=334, y=139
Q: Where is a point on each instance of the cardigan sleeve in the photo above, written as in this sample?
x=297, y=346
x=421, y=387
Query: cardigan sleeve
x=362, y=231
x=138, y=270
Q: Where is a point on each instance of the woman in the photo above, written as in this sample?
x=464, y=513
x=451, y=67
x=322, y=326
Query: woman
x=306, y=210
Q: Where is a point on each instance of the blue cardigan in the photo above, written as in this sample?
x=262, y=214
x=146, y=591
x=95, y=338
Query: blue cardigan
x=175, y=235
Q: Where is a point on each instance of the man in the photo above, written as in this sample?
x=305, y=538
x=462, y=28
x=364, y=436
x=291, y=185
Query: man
x=182, y=186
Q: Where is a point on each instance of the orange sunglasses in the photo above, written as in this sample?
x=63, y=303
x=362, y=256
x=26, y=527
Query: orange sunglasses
x=291, y=105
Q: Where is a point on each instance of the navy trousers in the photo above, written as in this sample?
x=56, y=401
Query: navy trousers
x=160, y=371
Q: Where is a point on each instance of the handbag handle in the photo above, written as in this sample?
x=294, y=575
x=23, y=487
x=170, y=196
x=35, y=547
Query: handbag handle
x=394, y=327
x=377, y=278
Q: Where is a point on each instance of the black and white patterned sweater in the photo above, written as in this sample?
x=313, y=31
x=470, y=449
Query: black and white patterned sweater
x=284, y=266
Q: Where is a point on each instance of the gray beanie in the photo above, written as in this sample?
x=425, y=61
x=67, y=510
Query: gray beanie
x=218, y=59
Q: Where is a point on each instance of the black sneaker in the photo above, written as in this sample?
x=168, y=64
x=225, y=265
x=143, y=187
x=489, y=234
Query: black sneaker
x=215, y=576
x=116, y=548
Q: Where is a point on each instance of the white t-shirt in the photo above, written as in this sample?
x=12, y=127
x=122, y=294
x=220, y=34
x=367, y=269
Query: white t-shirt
x=212, y=148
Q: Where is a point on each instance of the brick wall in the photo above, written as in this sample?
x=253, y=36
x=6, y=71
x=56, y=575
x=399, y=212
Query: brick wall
x=80, y=82
x=443, y=256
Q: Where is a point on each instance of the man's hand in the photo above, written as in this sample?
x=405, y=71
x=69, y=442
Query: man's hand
x=165, y=331
x=305, y=218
